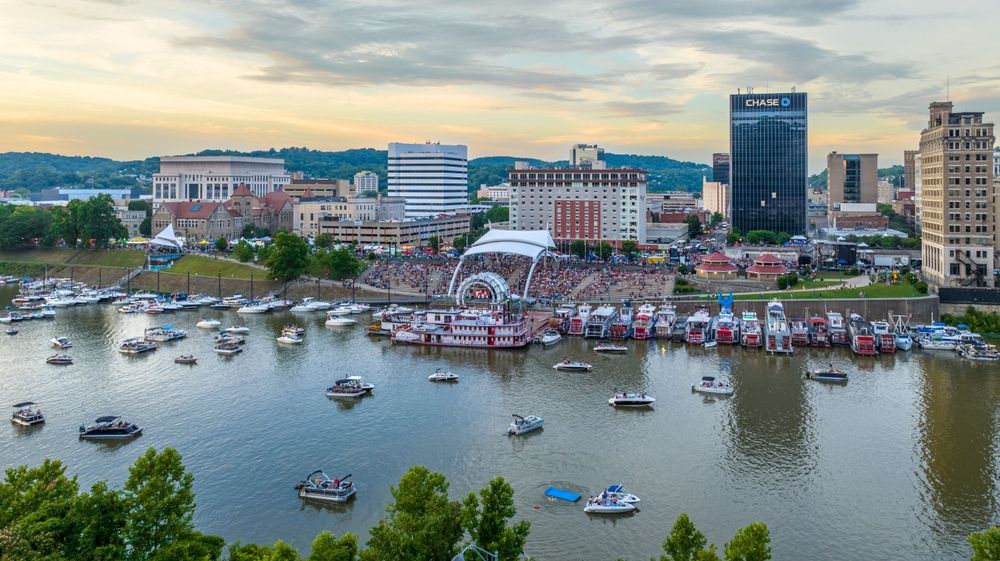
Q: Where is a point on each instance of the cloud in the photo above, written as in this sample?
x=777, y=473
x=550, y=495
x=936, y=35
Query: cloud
x=648, y=110
x=550, y=96
x=801, y=12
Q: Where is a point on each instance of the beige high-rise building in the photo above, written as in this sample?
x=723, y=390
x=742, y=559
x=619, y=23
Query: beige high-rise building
x=957, y=195
x=851, y=178
x=909, y=168
x=715, y=195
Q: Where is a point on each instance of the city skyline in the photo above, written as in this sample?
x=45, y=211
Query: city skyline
x=129, y=79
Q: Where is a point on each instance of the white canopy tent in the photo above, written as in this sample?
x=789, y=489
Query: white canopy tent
x=167, y=238
x=535, y=244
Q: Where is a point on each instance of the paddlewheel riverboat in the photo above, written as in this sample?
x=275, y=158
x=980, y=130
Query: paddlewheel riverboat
x=861, y=336
x=621, y=328
x=578, y=323
x=485, y=329
x=750, y=330
x=644, y=326
x=819, y=332
x=696, y=328
x=838, y=331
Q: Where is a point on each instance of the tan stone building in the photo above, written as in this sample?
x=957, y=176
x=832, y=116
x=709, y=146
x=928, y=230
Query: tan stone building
x=273, y=211
x=300, y=188
x=715, y=196
x=958, y=219
x=407, y=232
x=195, y=221
x=310, y=211
x=851, y=179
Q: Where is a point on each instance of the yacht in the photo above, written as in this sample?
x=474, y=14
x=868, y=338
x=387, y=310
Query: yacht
x=726, y=329
x=644, y=326
x=819, y=332
x=750, y=330
x=234, y=301
x=607, y=505
x=564, y=314
x=608, y=347
x=335, y=321
x=665, y=317
x=573, y=366
x=621, y=327
x=522, y=425
x=861, y=336
x=696, y=327
x=111, y=427
x=309, y=304
x=713, y=386
x=317, y=486
x=901, y=332
x=550, y=337
x=800, y=332
x=838, y=330
x=208, y=324
x=936, y=342
x=778, y=338
x=236, y=330
x=136, y=345
x=61, y=342
x=599, y=323
x=255, y=308
x=885, y=341
x=578, y=323
x=624, y=399
x=829, y=374
x=342, y=310
x=443, y=376
x=59, y=359
x=27, y=414
x=350, y=387
x=164, y=334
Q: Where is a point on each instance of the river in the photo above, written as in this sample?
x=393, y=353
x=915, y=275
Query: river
x=901, y=463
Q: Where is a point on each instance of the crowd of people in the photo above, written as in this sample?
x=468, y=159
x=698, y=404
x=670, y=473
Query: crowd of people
x=621, y=282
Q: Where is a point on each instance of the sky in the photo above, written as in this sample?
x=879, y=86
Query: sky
x=129, y=79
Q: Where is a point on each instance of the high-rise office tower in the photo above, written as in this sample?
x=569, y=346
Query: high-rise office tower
x=366, y=182
x=768, y=139
x=720, y=168
x=909, y=168
x=957, y=218
x=433, y=178
x=852, y=178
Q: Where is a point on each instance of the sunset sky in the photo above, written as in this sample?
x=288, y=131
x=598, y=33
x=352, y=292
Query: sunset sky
x=130, y=78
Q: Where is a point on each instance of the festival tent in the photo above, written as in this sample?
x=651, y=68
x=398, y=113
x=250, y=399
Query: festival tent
x=167, y=238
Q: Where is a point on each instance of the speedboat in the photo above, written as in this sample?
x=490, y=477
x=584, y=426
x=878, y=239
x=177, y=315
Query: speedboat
x=226, y=338
x=236, y=330
x=293, y=329
x=710, y=344
x=522, y=425
x=339, y=322
x=352, y=386
x=12, y=317
x=289, y=339
x=709, y=385
x=608, y=505
x=11, y=330
x=904, y=341
x=59, y=359
x=610, y=348
x=136, y=345
x=27, y=414
x=254, y=309
x=110, y=427
x=340, y=311
x=621, y=493
x=208, y=324
x=186, y=359
x=61, y=342
x=550, y=337
x=319, y=487
x=623, y=399
x=573, y=366
x=442, y=376
x=829, y=374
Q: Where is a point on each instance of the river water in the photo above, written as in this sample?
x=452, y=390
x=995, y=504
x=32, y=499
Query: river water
x=899, y=464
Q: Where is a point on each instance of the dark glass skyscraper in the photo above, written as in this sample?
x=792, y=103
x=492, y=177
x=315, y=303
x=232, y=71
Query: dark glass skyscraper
x=720, y=168
x=768, y=147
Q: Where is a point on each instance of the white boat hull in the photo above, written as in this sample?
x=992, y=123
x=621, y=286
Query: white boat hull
x=620, y=508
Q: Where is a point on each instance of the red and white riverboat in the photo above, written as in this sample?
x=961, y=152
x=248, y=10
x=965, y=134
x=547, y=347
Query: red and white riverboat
x=473, y=328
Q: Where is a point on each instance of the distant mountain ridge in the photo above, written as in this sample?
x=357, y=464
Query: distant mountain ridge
x=34, y=171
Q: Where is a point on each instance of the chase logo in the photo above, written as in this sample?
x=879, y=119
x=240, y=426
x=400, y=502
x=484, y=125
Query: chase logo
x=785, y=102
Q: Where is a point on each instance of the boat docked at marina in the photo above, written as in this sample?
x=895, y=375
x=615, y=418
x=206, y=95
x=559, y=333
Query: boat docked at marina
x=610, y=348
x=59, y=359
x=885, y=341
x=725, y=328
x=599, y=322
x=644, y=326
x=493, y=328
x=937, y=342
x=819, y=331
x=800, y=332
x=549, y=337
x=136, y=346
x=339, y=321
x=777, y=336
x=578, y=323
x=110, y=427
x=572, y=366
x=350, y=387
x=838, y=329
x=443, y=376
x=564, y=313
x=861, y=337
x=750, y=330
x=696, y=327
x=318, y=486
x=713, y=386
x=901, y=331
x=626, y=399
x=666, y=314
x=828, y=374
x=254, y=308
x=982, y=352
x=164, y=334
x=27, y=414
x=61, y=342
x=309, y=304
x=621, y=327
x=522, y=425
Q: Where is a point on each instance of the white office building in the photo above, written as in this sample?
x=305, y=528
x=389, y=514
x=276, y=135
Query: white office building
x=366, y=182
x=433, y=178
x=215, y=178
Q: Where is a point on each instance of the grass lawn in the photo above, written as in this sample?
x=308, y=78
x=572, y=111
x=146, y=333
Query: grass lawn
x=80, y=257
x=901, y=290
x=208, y=267
x=818, y=283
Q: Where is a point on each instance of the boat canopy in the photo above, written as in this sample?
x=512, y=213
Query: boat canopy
x=708, y=378
x=518, y=417
x=615, y=489
x=24, y=404
x=107, y=419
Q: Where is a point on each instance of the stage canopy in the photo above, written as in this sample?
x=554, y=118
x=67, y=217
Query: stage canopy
x=167, y=238
x=534, y=244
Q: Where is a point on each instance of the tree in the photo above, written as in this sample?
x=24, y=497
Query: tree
x=752, y=543
x=280, y=551
x=34, y=511
x=985, y=545
x=192, y=547
x=98, y=518
x=485, y=518
x=603, y=250
x=733, y=238
x=146, y=227
x=221, y=244
x=66, y=222
x=578, y=248
x=716, y=219
x=326, y=547
x=287, y=257
x=630, y=248
x=434, y=243
x=324, y=241
x=342, y=263
x=242, y=251
x=248, y=231
x=684, y=541
x=21, y=225
x=422, y=523
x=458, y=243
x=99, y=222
x=160, y=503
x=694, y=226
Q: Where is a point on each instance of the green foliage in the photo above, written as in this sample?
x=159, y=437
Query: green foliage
x=339, y=263
x=854, y=271
x=35, y=505
x=985, y=545
x=693, y=225
x=758, y=237
x=787, y=281
x=221, y=245
x=253, y=231
x=243, y=252
x=494, y=215
x=486, y=517
x=98, y=518
x=733, y=238
x=716, y=219
x=160, y=503
x=684, y=542
x=578, y=248
x=458, y=243
x=603, y=250
x=20, y=225
x=280, y=551
x=978, y=322
x=326, y=547
x=630, y=247
x=752, y=543
x=192, y=547
x=434, y=242
x=287, y=257
x=422, y=523
x=146, y=227
x=91, y=220
x=921, y=287
x=324, y=241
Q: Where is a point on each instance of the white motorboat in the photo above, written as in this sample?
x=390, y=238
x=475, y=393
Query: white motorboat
x=937, y=343
x=522, y=425
x=289, y=339
x=359, y=307
x=110, y=427
x=350, y=387
x=236, y=330
x=61, y=342
x=550, y=337
x=710, y=344
x=164, y=334
x=186, y=359
x=293, y=329
x=301, y=308
x=319, y=487
x=11, y=330
x=904, y=341
x=624, y=399
x=136, y=346
x=254, y=309
x=234, y=301
x=27, y=414
x=610, y=348
x=710, y=385
x=340, y=311
x=608, y=505
x=443, y=376
x=228, y=349
x=622, y=494
x=59, y=359
x=392, y=310
x=340, y=322
x=208, y=324
x=572, y=366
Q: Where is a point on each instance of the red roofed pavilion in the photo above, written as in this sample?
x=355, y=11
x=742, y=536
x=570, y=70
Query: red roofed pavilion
x=767, y=267
x=716, y=266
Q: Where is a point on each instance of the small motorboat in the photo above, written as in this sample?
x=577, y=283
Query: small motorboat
x=61, y=342
x=829, y=374
x=11, y=330
x=710, y=385
x=610, y=348
x=982, y=352
x=442, y=376
x=319, y=487
x=208, y=324
x=573, y=366
x=350, y=387
x=603, y=504
x=550, y=337
x=623, y=399
x=340, y=311
x=340, y=321
x=227, y=339
x=289, y=339
x=621, y=493
x=136, y=346
x=522, y=425
x=710, y=344
x=228, y=348
x=186, y=359
x=27, y=414
x=110, y=427
x=236, y=330
x=59, y=359
x=293, y=329
x=254, y=309
x=164, y=334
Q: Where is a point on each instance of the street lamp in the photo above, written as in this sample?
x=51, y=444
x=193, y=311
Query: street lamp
x=480, y=554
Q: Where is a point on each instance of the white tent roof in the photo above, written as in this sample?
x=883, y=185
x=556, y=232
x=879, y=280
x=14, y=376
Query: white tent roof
x=529, y=243
x=167, y=238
